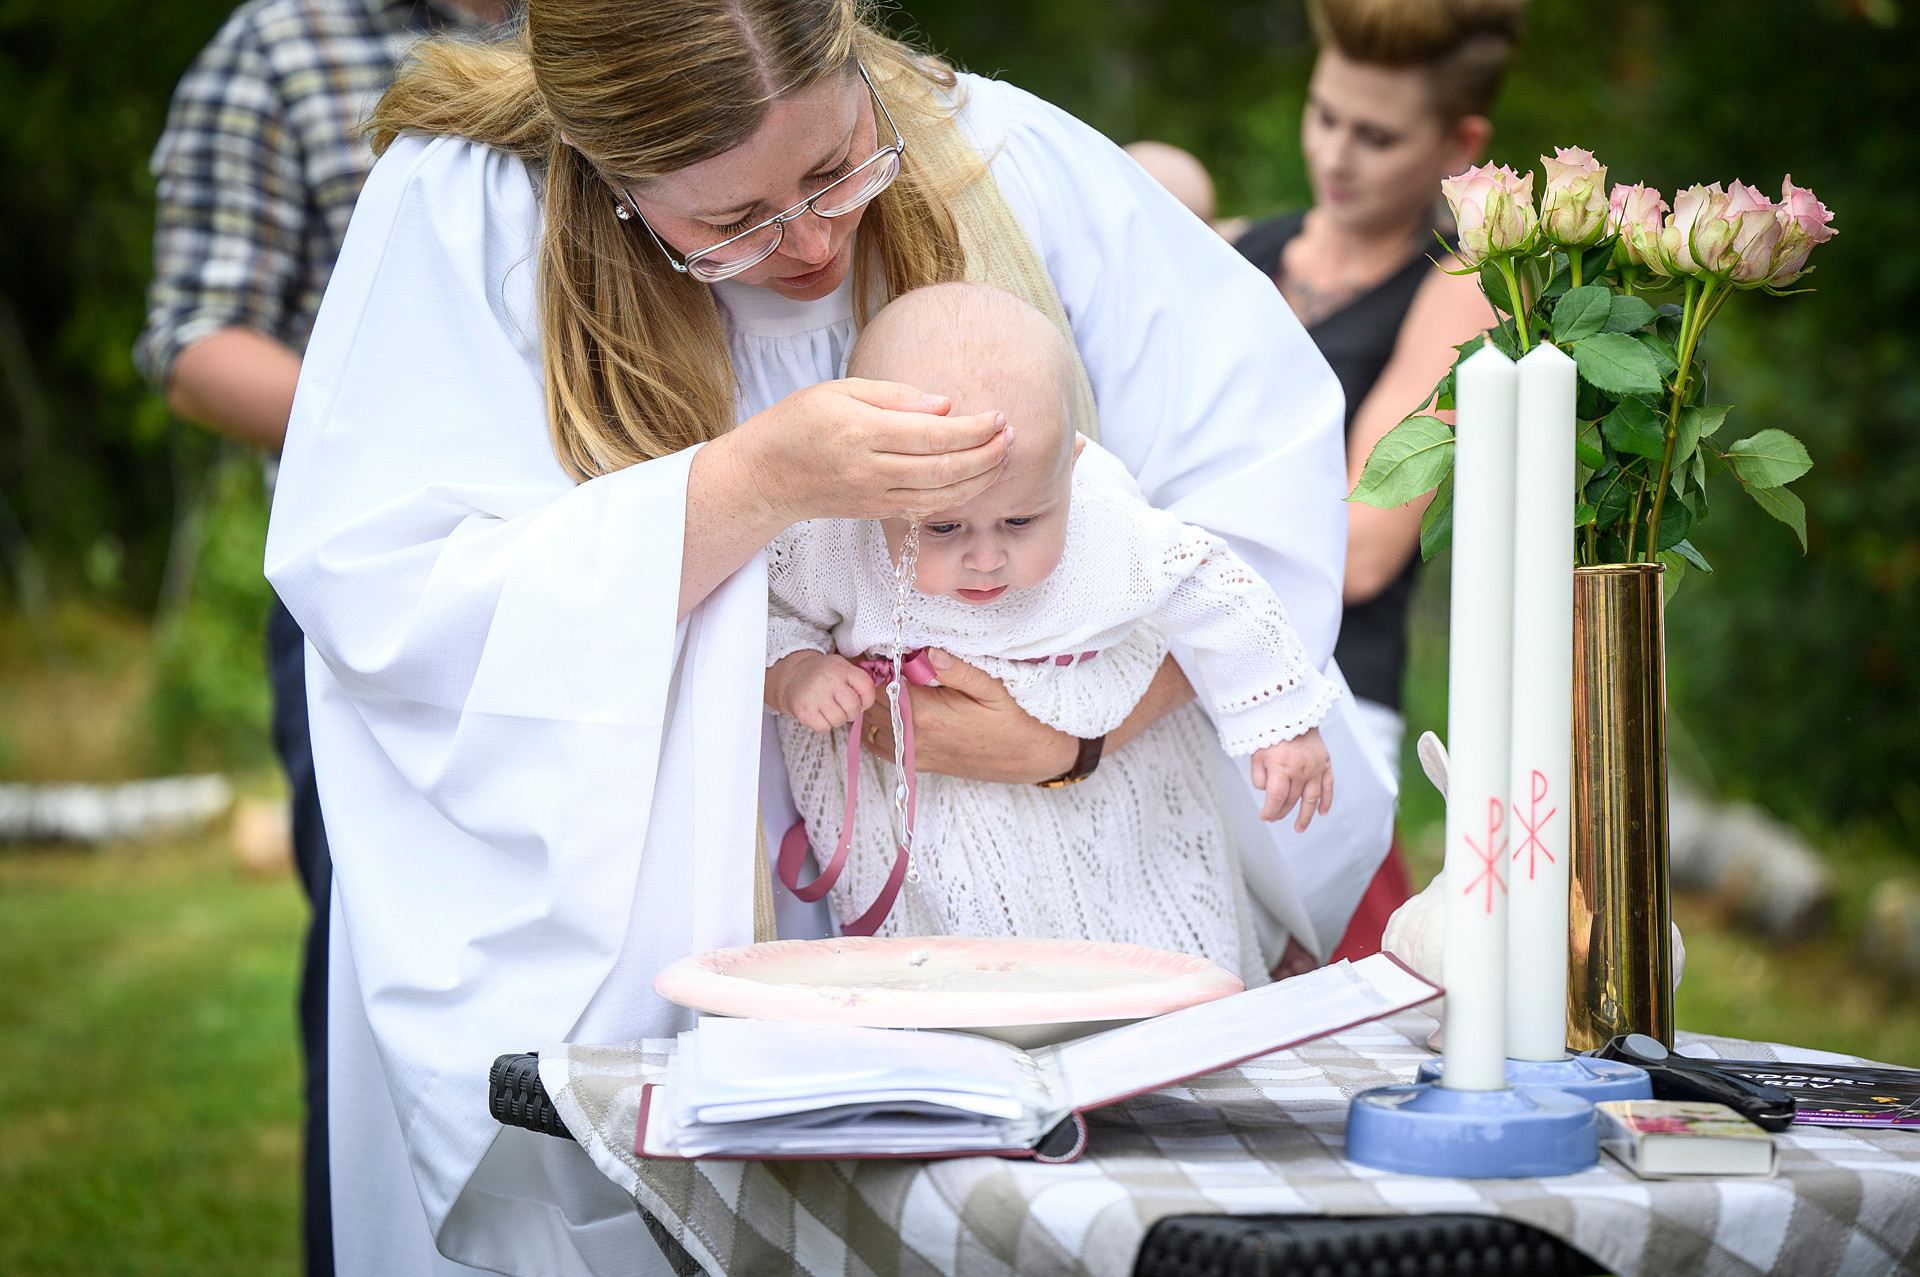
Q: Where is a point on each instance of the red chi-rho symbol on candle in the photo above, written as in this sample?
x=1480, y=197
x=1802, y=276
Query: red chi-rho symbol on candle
x=1490, y=855
x=1532, y=823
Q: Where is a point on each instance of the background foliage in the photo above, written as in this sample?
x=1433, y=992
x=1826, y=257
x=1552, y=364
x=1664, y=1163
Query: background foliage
x=1798, y=677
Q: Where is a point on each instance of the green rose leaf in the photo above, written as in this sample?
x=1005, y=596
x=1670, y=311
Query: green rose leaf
x=1768, y=459
x=1676, y=520
x=1668, y=324
x=1442, y=397
x=1694, y=422
x=1688, y=551
x=1588, y=445
x=1583, y=514
x=1676, y=572
x=1665, y=358
x=1712, y=417
x=1617, y=364
x=1582, y=312
x=1590, y=404
x=1699, y=472
x=1495, y=287
x=1562, y=278
x=1628, y=314
x=1784, y=506
x=1410, y=459
x=1436, y=525
x=1613, y=502
x=1596, y=258
x=1634, y=427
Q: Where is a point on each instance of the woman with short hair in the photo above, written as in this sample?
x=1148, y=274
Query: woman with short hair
x=1398, y=101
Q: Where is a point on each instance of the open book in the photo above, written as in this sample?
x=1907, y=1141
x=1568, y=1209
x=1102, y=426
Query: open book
x=781, y=1089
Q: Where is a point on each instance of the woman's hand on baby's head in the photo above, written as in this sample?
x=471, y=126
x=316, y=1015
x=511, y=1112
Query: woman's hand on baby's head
x=819, y=689
x=868, y=449
x=1296, y=771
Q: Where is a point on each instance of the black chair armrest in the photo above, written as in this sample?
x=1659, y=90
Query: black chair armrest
x=1274, y=1245
x=516, y=1098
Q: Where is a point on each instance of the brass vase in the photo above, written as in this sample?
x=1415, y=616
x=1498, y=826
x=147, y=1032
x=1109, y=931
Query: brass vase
x=1620, y=975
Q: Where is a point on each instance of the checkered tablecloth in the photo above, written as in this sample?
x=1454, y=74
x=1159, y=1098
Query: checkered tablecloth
x=1264, y=1138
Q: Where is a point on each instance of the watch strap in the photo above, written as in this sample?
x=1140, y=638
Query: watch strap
x=1084, y=764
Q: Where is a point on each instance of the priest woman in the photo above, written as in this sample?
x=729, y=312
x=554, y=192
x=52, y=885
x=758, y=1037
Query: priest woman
x=578, y=364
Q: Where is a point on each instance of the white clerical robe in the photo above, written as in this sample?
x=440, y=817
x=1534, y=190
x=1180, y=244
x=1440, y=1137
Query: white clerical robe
x=539, y=788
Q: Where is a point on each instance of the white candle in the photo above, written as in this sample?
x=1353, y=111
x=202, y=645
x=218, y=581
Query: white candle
x=1542, y=707
x=1479, y=719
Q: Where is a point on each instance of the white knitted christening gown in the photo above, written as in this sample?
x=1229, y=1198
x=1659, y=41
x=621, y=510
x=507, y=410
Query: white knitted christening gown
x=1138, y=852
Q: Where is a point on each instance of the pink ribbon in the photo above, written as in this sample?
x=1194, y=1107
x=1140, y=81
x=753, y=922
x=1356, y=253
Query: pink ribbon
x=918, y=671
x=1062, y=661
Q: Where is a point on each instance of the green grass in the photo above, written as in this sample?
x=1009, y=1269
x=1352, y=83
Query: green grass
x=151, y=1121
x=1816, y=993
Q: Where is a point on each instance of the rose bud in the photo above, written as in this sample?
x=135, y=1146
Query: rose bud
x=1756, y=234
x=1804, y=221
x=1635, y=214
x=1492, y=210
x=1698, y=238
x=1573, y=207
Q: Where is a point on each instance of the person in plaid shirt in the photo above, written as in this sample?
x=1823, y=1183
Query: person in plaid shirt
x=256, y=176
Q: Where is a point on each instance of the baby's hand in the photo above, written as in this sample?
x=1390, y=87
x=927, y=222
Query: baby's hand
x=1295, y=771
x=821, y=690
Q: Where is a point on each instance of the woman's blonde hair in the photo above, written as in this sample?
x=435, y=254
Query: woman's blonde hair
x=636, y=360
x=1462, y=45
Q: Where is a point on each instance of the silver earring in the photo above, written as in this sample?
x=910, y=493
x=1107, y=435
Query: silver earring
x=620, y=211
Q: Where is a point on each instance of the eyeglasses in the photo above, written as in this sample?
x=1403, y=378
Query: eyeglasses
x=754, y=245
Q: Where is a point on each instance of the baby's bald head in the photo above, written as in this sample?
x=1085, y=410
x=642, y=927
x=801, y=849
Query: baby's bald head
x=984, y=349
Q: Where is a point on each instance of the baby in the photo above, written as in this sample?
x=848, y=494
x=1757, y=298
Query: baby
x=1062, y=581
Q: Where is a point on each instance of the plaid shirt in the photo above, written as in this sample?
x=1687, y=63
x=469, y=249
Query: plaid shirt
x=261, y=162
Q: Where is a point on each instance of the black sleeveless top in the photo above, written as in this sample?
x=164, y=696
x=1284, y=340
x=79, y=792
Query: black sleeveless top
x=1357, y=341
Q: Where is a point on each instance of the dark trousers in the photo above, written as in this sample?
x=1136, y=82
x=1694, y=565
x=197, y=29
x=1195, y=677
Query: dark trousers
x=286, y=664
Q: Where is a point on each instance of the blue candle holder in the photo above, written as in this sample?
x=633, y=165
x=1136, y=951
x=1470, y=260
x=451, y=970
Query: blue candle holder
x=1592, y=1079
x=1421, y=1128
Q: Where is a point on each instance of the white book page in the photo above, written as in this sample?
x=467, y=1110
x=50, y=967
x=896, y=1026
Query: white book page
x=741, y=1065
x=1181, y=1044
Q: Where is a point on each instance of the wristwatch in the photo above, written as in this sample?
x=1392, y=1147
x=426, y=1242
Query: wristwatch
x=1083, y=765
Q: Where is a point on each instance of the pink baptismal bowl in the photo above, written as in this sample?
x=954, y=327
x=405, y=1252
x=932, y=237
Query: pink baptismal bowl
x=1027, y=992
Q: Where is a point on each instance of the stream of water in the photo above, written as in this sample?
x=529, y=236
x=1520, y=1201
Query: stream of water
x=903, y=574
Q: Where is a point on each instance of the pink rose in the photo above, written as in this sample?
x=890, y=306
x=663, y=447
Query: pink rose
x=1635, y=214
x=1698, y=237
x=1756, y=233
x=1493, y=211
x=1573, y=207
x=1804, y=221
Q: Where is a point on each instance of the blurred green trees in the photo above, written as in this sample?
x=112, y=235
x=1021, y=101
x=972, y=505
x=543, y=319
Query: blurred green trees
x=1798, y=677
x=110, y=497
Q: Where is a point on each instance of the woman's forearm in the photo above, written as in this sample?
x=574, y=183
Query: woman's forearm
x=1447, y=310
x=1380, y=544
x=970, y=727
x=729, y=519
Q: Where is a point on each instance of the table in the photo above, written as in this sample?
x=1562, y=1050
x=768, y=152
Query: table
x=1263, y=1139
